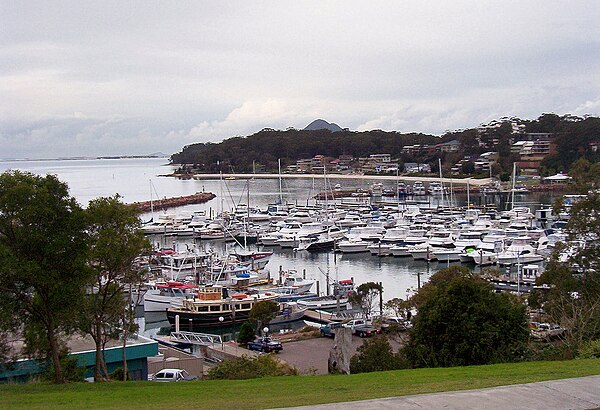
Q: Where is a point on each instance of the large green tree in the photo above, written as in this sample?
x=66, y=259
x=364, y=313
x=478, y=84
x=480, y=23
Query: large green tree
x=462, y=321
x=42, y=261
x=115, y=243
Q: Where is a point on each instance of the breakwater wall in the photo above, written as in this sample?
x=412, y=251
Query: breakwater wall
x=165, y=203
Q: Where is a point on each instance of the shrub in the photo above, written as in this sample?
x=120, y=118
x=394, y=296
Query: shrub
x=589, y=350
x=72, y=372
x=251, y=368
x=246, y=333
x=376, y=355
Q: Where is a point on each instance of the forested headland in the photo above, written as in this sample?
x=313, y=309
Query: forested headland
x=572, y=138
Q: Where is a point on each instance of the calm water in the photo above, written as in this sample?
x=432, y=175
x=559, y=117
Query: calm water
x=135, y=179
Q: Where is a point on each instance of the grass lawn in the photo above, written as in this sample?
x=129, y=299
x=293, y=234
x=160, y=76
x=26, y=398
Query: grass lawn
x=286, y=391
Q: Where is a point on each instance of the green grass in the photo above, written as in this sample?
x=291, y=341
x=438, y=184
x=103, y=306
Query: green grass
x=286, y=391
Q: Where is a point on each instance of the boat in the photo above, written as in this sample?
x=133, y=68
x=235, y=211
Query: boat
x=316, y=243
x=519, y=252
x=177, y=265
x=323, y=302
x=418, y=188
x=161, y=295
x=290, y=312
x=257, y=260
x=291, y=294
x=353, y=246
x=216, y=306
x=342, y=290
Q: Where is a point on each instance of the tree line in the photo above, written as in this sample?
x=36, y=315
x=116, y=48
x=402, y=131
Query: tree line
x=262, y=150
x=64, y=270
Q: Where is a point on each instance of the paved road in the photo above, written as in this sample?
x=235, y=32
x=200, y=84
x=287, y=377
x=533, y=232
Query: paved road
x=579, y=393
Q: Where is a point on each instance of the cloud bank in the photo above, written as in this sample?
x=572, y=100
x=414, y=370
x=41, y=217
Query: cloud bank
x=112, y=78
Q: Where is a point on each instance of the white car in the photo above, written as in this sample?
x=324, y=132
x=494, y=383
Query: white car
x=172, y=375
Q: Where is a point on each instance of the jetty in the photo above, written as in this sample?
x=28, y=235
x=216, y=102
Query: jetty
x=165, y=203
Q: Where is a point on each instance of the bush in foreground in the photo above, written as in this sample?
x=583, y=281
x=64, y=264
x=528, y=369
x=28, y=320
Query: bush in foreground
x=376, y=355
x=251, y=368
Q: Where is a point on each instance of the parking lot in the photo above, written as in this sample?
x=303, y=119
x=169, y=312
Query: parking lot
x=310, y=356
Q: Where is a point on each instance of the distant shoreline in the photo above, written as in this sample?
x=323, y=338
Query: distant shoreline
x=458, y=181
x=150, y=156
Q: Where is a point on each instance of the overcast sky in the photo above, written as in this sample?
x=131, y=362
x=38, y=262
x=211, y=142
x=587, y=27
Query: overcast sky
x=118, y=77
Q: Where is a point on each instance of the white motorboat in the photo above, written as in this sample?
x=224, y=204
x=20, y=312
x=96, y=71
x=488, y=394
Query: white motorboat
x=519, y=252
x=423, y=251
x=400, y=250
x=442, y=239
x=447, y=254
x=353, y=246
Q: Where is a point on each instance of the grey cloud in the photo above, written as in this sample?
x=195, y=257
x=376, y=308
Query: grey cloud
x=160, y=75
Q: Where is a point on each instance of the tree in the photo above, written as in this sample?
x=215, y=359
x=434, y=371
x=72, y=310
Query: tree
x=573, y=297
x=115, y=243
x=365, y=295
x=398, y=306
x=246, y=333
x=263, y=312
x=461, y=321
x=376, y=355
x=42, y=261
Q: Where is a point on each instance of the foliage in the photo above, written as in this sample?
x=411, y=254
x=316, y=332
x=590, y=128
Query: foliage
x=115, y=243
x=364, y=296
x=398, y=306
x=376, y=355
x=42, y=260
x=72, y=372
x=461, y=321
x=263, y=312
x=572, y=136
x=589, y=349
x=573, y=297
x=246, y=333
x=118, y=375
x=250, y=368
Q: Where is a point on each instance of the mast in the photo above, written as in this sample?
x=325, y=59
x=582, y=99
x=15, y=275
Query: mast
x=247, y=216
x=397, y=192
x=441, y=180
x=280, y=188
x=468, y=195
x=151, y=202
x=514, y=177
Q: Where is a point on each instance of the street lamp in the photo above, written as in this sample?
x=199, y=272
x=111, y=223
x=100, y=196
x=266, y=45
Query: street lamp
x=221, y=319
x=265, y=331
x=319, y=307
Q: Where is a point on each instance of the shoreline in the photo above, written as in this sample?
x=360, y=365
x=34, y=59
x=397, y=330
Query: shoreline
x=458, y=181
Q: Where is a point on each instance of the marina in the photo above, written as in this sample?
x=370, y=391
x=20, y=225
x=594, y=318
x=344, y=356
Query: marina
x=382, y=232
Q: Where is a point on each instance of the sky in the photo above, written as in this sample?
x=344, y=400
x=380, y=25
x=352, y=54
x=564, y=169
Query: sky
x=90, y=78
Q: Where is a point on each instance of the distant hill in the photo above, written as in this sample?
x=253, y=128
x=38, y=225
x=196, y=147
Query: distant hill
x=323, y=125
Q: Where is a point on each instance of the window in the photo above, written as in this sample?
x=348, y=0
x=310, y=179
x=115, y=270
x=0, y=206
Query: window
x=245, y=305
x=202, y=308
x=215, y=308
